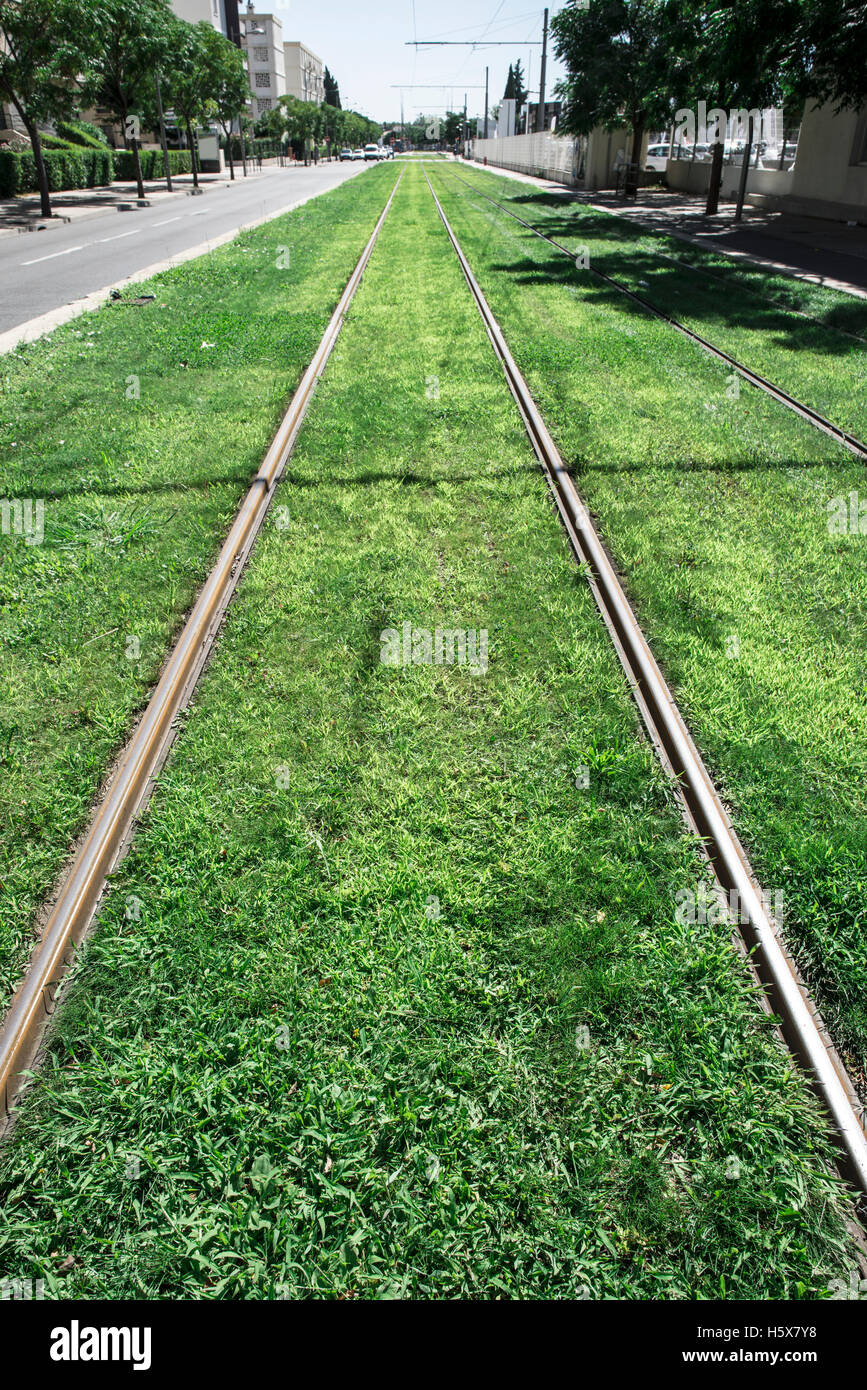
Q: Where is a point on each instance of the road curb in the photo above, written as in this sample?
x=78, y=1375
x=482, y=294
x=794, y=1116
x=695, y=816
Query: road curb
x=46, y=323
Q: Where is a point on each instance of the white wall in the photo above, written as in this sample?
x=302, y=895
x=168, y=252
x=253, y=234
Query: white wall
x=549, y=156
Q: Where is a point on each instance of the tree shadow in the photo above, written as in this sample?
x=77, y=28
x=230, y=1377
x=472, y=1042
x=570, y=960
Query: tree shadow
x=686, y=289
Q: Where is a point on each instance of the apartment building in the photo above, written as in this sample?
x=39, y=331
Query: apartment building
x=262, y=40
x=223, y=14
x=305, y=73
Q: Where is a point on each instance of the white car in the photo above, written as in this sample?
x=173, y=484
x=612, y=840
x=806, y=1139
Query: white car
x=371, y=152
x=656, y=158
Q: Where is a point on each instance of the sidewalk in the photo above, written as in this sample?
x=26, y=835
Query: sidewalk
x=22, y=213
x=816, y=249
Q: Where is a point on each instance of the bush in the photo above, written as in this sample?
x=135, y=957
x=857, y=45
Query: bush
x=152, y=164
x=54, y=142
x=265, y=149
x=66, y=168
x=82, y=133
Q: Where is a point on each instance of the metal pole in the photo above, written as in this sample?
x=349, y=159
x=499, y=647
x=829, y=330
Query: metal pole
x=464, y=130
x=540, y=114
x=486, y=103
x=163, y=140
x=745, y=166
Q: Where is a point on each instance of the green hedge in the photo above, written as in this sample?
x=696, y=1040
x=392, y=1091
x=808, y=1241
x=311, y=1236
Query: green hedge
x=152, y=163
x=82, y=133
x=265, y=149
x=78, y=168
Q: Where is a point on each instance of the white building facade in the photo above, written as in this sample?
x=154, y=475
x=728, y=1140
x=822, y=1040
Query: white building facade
x=262, y=41
x=305, y=73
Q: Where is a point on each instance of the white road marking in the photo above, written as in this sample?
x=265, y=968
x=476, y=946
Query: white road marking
x=167, y=221
x=203, y=213
x=52, y=255
x=119, y=236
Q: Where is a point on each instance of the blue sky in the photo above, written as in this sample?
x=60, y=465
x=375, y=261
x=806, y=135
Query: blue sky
x=365, y=49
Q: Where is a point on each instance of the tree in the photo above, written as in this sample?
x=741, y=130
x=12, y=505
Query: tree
x=44, y=47
x=520, y=92
x=620, y=65
x=228, y=82
x=132, y=42
x=737, y=55
x=509, y=89
x=332, y=91
x=194, y=78
x=831, y=43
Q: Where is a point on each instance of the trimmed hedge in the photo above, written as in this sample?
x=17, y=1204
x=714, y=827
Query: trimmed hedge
x=82, y=133
x=265, y=149
x=152, y=163
x=72, y=168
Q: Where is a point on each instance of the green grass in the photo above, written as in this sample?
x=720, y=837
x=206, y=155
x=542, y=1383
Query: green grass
x=747, y=315
x=385, y=1001
x=140, y=428
x=716, y=510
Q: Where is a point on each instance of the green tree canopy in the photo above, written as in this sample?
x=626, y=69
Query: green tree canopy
x=132, y=42
x=45, y=45
x=621, y=65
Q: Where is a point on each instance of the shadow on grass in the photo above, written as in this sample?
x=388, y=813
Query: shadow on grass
x=678, y=289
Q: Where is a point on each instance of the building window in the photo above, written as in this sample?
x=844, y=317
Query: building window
x=263, y=79
x=260, y=53
x=264, y=104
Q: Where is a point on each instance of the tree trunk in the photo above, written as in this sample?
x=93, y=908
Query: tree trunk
x=138, y=175
x=637, y=137
x=41, y=171
x=712, y=205
x=229, y=153
x=782, y=163
x=192, y=146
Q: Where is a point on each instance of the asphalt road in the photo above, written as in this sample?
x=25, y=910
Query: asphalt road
x=41, y=271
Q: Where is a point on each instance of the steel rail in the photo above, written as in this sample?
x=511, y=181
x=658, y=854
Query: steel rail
x=129, y=790
x=801, y=1024
x=813, y=417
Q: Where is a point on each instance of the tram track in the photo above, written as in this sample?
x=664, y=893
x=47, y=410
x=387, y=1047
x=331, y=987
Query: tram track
x=801, y=1024
x=129, y=790
x=814, y=417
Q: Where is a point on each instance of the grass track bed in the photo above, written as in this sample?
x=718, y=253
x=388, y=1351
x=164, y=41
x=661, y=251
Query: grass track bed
x=330, y=1036
x=814, y=362
x=717, y=513
x=139, y=429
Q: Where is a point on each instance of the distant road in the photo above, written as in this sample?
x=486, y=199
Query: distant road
x=41, y=271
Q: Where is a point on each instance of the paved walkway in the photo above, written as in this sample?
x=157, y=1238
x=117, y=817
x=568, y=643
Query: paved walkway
x=816, y=249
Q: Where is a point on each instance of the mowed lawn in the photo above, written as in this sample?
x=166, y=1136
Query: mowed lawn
x=391, y=998
x=136, y=430
x=720, y=510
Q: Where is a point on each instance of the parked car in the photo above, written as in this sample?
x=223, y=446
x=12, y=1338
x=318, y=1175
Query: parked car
x=358, y=154
x=656, y=158
x=371, y=152
x=346, y=154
